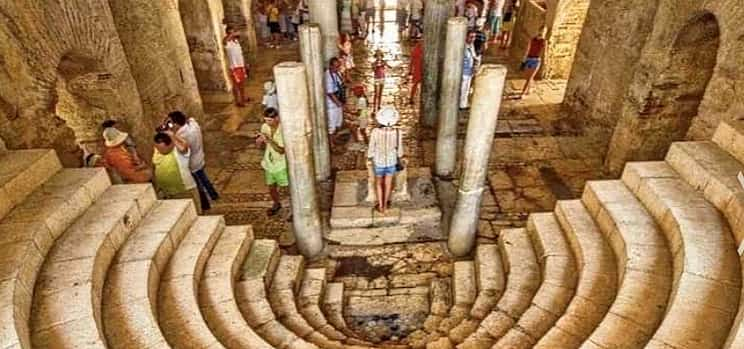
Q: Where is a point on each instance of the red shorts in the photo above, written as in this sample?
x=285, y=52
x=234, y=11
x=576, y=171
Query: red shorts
x=239, y=74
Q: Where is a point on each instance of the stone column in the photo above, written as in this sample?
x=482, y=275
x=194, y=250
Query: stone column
x=435, y=23
x=294, y=105
x=238, y=13
x=489, y=87
x=325, y=13
x=311, y=45
x=446, y=150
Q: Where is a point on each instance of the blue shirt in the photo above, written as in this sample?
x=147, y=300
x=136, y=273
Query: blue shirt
x=468, y=64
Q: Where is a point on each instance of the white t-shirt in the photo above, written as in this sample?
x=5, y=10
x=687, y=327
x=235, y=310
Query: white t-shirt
x=498, y=8
x=191, y=132
x=370, y=4
x=331, y=86
x=234, y=54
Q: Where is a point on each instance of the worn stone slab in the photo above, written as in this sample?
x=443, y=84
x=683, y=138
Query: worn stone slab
x=351, y=217
x=22, y=171
x=346, y=194
x=261, y=261
x=730, y=137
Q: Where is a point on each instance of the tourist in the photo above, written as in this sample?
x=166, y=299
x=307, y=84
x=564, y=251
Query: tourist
x=236, y=62
x=497, y=8
x=270, y=99
x=128, y=143
x=417, y=13
x=262, y=23
x=120, y=158
x=379, y=67
x=416, y=69
x=304, y=11
x=532, y=59
x=370, y=12
x=273, y=13
x=295, y=18
x=362, y=114
x=345, y=46
x=189, y=130
x=508, y=23
x=459, y=8
x=171, y=162
x=471, y=13
x=386, y=154
x=468, y=70
x=401, y=15
x=481, y=40
x=362, y=23
x=335, y=98
x=274, y=161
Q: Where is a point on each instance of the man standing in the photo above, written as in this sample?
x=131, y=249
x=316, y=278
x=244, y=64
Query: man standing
x=468, y=69
x=274, y=162
x=335, y=98
x=238, y=68
x=189, y=130
x=171, y=162
x=401, y=15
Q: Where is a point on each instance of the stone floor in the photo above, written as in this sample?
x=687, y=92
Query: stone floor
x=539, y=154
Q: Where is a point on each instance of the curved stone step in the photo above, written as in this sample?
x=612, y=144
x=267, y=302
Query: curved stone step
x=730, y=137
x=333, y=308
x=464, y=292
x=707, y=274
x=178, y=307
x=597, y=284
x=308, y=302
x=523, y=280
x=559, y=278
x=67, y=295
x=216, y=295
x=283, y=290
x=23, y=171
x=644, y=266
x=26, y=235
x=713, y=171
x=441, y=302
x=131, y=289
x=250, y=291
x=491, y=282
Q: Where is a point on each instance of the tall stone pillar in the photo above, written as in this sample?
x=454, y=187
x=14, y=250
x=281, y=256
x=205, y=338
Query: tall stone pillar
x=311, y=51
x=435, y=23
x=238, y=13
x=446, y=150
x=325, y=13
x=294, y=105
x=489, y=87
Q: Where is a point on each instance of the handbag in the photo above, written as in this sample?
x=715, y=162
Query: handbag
x=398, y=165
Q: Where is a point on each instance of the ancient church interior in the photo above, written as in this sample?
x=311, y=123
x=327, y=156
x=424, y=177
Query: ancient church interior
x=603, y=210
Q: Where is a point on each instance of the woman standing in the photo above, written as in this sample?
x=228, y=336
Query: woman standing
x=532, y=59
x=386, y=154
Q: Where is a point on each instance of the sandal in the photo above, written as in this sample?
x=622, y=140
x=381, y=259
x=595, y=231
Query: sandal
x=274, y=210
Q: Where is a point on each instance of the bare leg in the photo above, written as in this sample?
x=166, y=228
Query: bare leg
x=388, y=189
x=414, y=90
x=530, y=77
x=380, y=198
x=274, y=193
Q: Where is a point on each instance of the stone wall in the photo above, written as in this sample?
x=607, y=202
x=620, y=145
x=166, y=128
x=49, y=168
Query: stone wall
x=239, y=13
x=158, y=56
x=202, y=21
x=566, y=21
x=69, y=51
x=531, y=17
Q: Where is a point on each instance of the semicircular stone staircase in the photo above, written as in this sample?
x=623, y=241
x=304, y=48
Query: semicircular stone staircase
x=649, y=260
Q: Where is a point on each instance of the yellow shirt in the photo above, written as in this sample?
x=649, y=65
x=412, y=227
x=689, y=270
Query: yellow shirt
x=273, y=12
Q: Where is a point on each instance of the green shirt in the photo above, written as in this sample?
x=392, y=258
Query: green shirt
x=273, y=160
x=172, y=174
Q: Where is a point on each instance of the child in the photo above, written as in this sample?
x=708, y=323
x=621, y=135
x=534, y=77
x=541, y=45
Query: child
x=270, y=100
x=362, y=111
x=379, y=67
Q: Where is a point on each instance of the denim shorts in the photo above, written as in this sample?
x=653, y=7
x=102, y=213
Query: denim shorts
x=532, y=63
x=385, y=171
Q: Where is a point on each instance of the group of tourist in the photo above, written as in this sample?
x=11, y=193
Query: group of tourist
x=177, y=167
x=278, y=20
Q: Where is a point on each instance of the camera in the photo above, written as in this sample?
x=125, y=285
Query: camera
x=167, y=125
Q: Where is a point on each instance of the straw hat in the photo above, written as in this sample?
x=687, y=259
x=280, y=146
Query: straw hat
x=388, y=116
x=113, y=137
x=269, y=87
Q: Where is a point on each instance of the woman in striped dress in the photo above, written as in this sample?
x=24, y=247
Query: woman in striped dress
x=386, y=154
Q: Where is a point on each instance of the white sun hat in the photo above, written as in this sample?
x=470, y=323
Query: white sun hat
x=113, y=137
x=388, y=116
x=269, y=87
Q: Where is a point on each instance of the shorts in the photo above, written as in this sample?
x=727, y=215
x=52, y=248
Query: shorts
x=239, y=74
x=275, y=28
x=532, y=63
x=335, y=119
x=280, y=177
x=385, y=171
x=379, y=81
x=495, y=25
